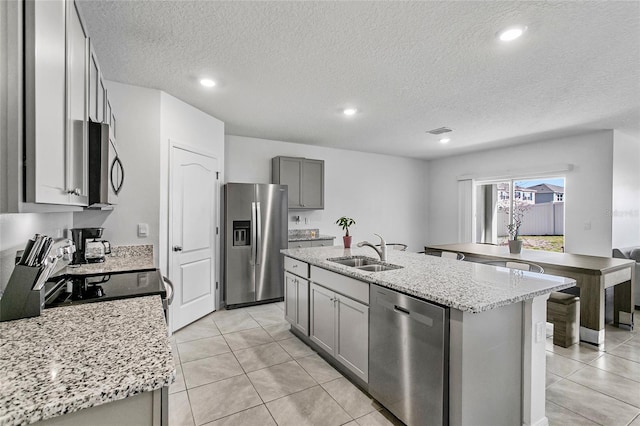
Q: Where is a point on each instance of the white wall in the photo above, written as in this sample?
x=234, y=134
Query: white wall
x=626, y=190
x=16, y=229
x=384, y=194
x=137, y=112
x=188, y=127
x=588, y=186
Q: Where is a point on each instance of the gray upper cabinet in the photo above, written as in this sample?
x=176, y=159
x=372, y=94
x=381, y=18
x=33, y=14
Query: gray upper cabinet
x=77, y=107
x=305, y=179
x=97, y=91
x=63, y=90
x=45, y=102
x=56, y=60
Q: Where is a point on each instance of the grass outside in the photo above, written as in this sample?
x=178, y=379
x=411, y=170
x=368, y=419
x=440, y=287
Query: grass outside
x=539, y=242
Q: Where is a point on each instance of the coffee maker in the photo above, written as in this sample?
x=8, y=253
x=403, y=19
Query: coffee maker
x=89, y=247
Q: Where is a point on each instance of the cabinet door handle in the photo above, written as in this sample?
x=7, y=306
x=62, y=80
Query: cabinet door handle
x=177, y=248
x=75, y=191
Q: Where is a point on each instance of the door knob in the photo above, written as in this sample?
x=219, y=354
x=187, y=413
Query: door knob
x=177, y=248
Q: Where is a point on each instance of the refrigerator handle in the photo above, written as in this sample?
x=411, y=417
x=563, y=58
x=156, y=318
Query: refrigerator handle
x=259, y=235
x=252, y=258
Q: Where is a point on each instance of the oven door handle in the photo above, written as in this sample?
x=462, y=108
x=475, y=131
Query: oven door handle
x=169, y=289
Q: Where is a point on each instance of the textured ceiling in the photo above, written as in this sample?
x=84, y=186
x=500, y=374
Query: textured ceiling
x=286, y=69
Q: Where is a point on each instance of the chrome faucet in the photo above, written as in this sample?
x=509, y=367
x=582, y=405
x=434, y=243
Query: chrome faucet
x=383, y=247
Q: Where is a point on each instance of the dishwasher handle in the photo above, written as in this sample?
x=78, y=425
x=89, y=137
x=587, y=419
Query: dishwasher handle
x=414, y=315
x=402, y=310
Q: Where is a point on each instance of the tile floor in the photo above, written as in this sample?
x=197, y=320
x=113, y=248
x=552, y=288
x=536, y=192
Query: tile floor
x=244, y=367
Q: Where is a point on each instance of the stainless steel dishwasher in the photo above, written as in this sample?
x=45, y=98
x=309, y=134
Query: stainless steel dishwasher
x=409, y=356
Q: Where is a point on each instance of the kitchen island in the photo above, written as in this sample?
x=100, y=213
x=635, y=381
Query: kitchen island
x=495, y=369
x=96, y=363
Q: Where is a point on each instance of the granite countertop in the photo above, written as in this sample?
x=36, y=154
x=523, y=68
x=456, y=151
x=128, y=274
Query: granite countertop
x=81, y=356
x=466, y=286
x=309, y=238
x=121, y=259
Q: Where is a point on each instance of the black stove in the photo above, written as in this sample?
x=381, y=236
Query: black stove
x=76, y=289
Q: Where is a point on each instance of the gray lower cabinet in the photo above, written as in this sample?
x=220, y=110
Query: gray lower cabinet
x=296, y=306
x=340, y=326
x=322, y=243
x=143, y=409
x=299, y=244
x=303, y=244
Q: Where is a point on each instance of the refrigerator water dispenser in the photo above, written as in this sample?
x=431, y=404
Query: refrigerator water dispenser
x=241, y=232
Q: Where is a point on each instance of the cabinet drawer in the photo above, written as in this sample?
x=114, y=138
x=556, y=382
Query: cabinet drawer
x=355, y=289
x=322, y=243
x=297, y=267
x=299, y=244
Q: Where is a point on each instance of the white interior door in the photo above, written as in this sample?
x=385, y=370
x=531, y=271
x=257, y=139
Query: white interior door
x=192, y=225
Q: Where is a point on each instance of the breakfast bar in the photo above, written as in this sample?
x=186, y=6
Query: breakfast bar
x=593, y=275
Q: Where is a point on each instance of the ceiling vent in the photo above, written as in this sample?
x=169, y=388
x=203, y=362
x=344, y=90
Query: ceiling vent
x=439, y=131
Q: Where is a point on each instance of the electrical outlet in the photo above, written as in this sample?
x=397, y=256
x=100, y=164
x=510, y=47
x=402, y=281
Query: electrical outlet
x=143, y=230
x=306, y=221
x=541, y=329
x=587, y=225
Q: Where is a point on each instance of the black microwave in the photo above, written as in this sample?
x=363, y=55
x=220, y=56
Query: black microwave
x=106, y=172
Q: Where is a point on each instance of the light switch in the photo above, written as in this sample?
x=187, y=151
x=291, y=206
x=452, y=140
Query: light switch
x=143, y=230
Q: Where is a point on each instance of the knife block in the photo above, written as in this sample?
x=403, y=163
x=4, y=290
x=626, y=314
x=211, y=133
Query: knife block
x=19, y=300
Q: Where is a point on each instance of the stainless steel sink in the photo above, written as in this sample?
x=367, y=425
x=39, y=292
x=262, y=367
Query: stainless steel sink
x=364, y=263
x=355, y=261
x=378, y=268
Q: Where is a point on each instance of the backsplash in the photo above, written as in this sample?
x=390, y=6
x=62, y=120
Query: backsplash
x=145, y=250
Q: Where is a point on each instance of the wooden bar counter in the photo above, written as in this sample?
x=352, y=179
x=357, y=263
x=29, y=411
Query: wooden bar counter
x=593, y=275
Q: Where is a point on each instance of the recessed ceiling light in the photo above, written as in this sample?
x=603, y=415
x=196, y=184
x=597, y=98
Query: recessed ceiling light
x=445, y=140
x=350, y=111
x=206, y=82
x=511, y=33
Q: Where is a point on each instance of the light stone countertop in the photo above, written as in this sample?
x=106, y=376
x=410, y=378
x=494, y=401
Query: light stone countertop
x=76, y=357
x=122, y=259
x=466, y=286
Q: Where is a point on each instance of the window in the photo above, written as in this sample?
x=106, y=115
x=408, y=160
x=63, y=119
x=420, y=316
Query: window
x=540, y=201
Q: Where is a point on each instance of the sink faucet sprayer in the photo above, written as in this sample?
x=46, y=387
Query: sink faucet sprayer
x=383, y=247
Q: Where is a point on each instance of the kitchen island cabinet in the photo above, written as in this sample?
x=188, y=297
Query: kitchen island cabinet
x=496, y=330
x=296, y=294
x=97, y=363
x=340, y=325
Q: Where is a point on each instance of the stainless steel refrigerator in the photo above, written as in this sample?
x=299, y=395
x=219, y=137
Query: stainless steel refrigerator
x=256, y=230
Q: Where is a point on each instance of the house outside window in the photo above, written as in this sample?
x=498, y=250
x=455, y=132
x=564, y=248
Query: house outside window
x=543, y=225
